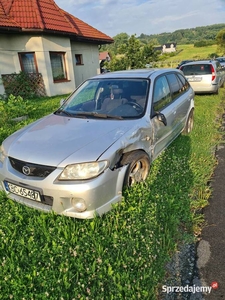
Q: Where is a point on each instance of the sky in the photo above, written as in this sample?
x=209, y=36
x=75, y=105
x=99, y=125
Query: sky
x=113, y=17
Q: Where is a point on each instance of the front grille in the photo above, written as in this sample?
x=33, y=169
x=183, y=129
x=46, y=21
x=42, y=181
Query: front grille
x=30, y=169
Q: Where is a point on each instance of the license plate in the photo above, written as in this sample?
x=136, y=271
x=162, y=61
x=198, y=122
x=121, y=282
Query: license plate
x=195, y=79
x=22, y=191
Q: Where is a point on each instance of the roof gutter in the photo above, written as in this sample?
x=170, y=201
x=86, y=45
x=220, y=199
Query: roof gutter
x=70, y=35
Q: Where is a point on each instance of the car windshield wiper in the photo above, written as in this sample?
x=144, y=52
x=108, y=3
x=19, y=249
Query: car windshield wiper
x=72, y=115
x=98, y=115
x=59, y=111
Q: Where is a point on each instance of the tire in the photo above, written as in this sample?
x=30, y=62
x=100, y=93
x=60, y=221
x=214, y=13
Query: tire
x=138, y=167
x=189, y=123
x=217, y=92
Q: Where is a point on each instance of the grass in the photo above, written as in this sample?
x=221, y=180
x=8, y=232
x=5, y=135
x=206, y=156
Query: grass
x=122, y=254
x=189, y=52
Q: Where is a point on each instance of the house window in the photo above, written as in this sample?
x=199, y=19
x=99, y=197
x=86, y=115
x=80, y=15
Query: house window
x=28, y=62
x=58, y=66
x=79, y=59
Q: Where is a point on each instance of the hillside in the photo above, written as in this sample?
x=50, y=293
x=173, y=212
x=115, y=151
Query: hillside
x=184, y=36
x=188, y=52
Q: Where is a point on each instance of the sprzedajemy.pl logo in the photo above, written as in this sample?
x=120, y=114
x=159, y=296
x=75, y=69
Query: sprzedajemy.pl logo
x=187, y=289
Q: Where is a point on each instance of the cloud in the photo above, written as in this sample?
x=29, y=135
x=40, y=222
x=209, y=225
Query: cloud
x=145, y=16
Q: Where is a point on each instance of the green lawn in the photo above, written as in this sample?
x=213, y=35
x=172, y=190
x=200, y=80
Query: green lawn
x=189, y=52
x=122, y=254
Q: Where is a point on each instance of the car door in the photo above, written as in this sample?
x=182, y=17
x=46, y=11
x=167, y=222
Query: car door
x=163, y=115
x=219, y=73
x=181, y=97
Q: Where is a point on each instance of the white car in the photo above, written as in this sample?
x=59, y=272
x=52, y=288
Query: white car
x=205, y=76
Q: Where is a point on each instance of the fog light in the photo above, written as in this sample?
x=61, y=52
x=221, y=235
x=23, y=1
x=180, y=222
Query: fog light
x=79, y=204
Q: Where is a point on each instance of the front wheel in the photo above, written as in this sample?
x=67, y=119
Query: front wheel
x=138, y=168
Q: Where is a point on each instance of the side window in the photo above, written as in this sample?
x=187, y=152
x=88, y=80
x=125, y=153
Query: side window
x=218, y=66
x=161, y=94
x=28, y=62
x=184, y=84
x=174, y=85
x=58, y=66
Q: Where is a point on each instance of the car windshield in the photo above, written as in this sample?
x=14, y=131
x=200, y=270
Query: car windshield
x=221, y=59
x=108, y=99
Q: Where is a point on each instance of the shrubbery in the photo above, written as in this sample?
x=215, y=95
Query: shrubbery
x=10, y=110
x=203, y=43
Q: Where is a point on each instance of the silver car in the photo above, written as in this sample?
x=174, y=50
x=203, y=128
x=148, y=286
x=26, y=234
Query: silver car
x=77, y=160
x=206, y=76
x=221, y=60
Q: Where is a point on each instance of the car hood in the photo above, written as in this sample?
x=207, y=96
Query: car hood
x=58, y=140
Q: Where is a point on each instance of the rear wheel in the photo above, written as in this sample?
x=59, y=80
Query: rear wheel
x=138, y=167
x=189, y=123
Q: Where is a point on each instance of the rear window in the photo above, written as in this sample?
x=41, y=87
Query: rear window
x=202, y=69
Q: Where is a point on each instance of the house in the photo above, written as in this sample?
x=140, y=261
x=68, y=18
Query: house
x=103, y=57
x=169, y=47
x=38, y=37
x=166, y=48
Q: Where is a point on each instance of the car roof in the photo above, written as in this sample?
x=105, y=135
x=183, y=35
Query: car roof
x=200, y=62
x=222, y=58
x=136, y=73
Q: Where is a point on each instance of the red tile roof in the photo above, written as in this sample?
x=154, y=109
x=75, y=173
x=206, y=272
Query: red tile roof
x=45, y=15
x=103, y=55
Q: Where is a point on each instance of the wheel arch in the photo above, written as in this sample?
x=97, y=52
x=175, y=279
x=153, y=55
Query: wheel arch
x=126, y=157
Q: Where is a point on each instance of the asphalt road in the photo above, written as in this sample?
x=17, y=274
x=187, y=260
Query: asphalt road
x=211, y=248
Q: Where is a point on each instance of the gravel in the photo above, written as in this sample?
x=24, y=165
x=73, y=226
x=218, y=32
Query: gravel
x=182, y=271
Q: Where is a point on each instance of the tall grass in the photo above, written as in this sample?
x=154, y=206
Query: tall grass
x=122, y=254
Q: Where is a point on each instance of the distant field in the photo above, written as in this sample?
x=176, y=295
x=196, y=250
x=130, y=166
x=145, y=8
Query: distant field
x=190, y=52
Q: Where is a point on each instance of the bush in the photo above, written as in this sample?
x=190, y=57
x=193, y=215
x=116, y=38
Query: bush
x=10, y=109
x=203, y=43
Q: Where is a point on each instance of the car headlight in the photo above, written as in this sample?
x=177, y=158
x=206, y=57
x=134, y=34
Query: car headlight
x=83, y=171
x=2, y=154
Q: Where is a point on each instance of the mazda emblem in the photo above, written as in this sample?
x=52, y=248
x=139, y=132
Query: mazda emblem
x=26, y=170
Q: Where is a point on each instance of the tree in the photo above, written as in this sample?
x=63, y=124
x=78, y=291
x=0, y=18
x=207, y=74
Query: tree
x=220, y=40
x=149, y=54
x=119, y=39
x=132, y=55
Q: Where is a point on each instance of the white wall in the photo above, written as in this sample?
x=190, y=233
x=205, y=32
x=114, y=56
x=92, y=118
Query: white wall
x=11, y=44
x=90, y=66
x=58, y=44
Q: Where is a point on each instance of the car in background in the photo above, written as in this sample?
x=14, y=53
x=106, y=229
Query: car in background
x=77, y=160
x=221, y=60
x=183, y=62
x=205, y=76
